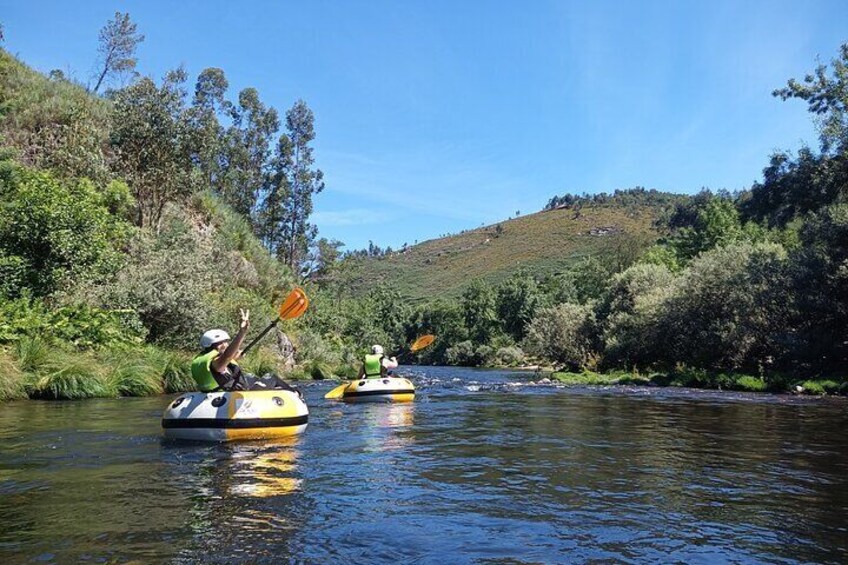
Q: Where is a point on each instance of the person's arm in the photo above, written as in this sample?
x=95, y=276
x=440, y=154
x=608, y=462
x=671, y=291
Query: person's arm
x=233, y=351
x=390, y=362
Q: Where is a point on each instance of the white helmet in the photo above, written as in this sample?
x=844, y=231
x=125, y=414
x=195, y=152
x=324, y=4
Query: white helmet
x=377, y=349
x=212, y=337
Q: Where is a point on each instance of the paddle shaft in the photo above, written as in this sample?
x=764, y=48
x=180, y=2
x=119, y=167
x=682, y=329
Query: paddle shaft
x=260, y=336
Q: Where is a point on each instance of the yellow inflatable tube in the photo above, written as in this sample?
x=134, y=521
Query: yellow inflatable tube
x=225, y=416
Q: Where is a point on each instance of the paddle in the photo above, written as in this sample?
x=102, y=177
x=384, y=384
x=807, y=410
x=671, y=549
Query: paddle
x=292, y=307
x=417, y=345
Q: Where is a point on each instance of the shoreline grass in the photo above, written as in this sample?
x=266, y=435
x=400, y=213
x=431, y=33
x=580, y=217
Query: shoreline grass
x=33, y=368
x=693, y=378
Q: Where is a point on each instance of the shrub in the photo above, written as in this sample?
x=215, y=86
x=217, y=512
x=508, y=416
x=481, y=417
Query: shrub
x=750, y=383
x=48, y=244
x=261, y=361
x=485, y=355
x=54, y=124
x=563, y=334
x=821, y=387
x=632, y=310
x=77, y=324
x=167, y=281
x=462, y=354
x=510, y=356
x=730, y=309
x=813, y=387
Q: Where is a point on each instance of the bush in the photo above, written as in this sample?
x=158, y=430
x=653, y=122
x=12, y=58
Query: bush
x=462, y=354
x=261, y=361
x=563, y=334
x=632, y=310
x=168, y=281
x=47, y=243
x=750, y=383
x=75, y=324
x=821, y=387
x=54, y=124
x=510, y=356
x=730, y=309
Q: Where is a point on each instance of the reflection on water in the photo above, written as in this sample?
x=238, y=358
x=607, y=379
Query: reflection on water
x=482, y=467
x=264, y=474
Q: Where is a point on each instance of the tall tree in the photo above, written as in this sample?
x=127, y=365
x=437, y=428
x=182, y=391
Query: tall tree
x=287, y=204
x=116, y=52
x=208, y=104
x=246, y=152
x=827, y=98
x=152, y=137
x=324, y=254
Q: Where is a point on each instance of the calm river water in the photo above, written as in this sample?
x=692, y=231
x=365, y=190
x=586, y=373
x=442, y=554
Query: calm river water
x=484, y=467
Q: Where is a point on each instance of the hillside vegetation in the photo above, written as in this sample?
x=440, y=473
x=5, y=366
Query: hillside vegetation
x=545, y=243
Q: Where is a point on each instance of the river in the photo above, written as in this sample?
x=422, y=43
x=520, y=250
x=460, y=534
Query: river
x=484, y=467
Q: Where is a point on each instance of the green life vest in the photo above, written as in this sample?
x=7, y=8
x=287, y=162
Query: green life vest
x=373, y=366
x=202, y=372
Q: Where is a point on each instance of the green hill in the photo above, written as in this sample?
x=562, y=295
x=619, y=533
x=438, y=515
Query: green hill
x=544, y=243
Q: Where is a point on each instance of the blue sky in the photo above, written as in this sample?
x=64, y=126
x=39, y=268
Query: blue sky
x=433, y=117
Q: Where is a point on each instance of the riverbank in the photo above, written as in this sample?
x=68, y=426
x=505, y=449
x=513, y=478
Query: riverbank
x=36, y=369
x=693, y=378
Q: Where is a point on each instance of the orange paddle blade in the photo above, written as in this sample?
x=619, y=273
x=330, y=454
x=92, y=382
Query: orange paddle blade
x=294, y=305
x=422, y=342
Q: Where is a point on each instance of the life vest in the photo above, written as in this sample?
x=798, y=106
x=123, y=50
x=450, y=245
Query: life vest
x=373, y=366
x=201, y=370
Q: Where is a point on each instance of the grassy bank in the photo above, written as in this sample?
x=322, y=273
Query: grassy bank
x=32, y=368
x=694, y=378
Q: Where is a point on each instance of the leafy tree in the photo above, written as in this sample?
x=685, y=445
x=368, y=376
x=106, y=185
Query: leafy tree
x=793, y=187
x=53, y=234
x=153, y=139
x=820, y=282
x=116, y=51
x=284, y=212
x=563, y=334
x=826, y=97
x=716, y=223
x=730, y=309
x=589, y=278
x=444, y=320
x=323, y=257
x=479, y=312
x=517, y=300
x=632, y=313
